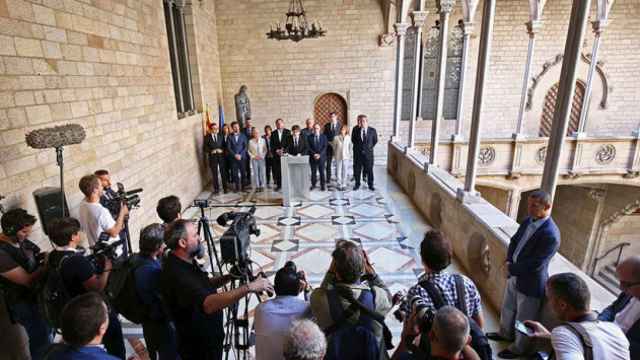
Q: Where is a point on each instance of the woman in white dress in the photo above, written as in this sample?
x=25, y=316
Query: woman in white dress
x=257, y=153
x=342, y=153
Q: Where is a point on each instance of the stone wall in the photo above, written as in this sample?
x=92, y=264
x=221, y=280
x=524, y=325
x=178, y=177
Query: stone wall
x=104, y=65
x=478, y=231
x=619, y=46
x=284, y=78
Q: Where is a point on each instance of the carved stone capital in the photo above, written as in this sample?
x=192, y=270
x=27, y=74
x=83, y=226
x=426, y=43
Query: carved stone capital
x=401, y=28
x=386, y=40
x=446, y=6
x=467, y=28
x=419, y=18
x=597, y=194
x=533, y=27
x=599, y=26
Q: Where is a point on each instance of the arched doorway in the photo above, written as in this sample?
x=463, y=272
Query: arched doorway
x=550, y=107
x=327, y=103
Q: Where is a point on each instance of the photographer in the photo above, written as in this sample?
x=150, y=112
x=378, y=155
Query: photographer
x=274, y=317
x=159, y=333
x=189, y=293
x=448, y=337
x=79, y=275
x=169, y=209
x=350, y=306
x=95, y=218
x=19, y=272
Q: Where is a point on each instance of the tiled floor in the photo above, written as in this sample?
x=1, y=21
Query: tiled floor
x=385, y=222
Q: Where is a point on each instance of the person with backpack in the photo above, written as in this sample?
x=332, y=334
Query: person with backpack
x=20, y=272
x=437, y=288
x=350, y=306
x=581, y=335
x=77, y=275
x=159, y=332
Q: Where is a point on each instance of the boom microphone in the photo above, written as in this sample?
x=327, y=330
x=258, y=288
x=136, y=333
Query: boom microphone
x=56, y=136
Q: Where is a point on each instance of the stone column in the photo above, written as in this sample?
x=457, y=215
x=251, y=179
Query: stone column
x=577, y=24
x=533, y=27
x=401, y=31
x=467, y=29
x=598, y=28
x=488, y=17
x=446, y=6
x=419, y=18
x=603, y=8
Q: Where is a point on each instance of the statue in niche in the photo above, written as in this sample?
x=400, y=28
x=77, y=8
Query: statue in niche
x=243, y=106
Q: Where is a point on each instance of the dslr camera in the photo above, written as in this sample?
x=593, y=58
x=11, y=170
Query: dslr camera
x=104, y=250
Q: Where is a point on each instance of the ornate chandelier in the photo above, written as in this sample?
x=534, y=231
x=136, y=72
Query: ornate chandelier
x=296, y=26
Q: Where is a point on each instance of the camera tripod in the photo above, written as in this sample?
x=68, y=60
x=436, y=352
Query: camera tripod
x=204, y=231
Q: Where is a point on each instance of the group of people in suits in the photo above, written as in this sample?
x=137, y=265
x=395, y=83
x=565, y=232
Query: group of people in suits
x=236, y=153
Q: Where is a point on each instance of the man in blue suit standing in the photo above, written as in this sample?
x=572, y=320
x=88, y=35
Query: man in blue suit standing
x=317, y=149
x=527, y=267
x=625, y=311
x=237, y=148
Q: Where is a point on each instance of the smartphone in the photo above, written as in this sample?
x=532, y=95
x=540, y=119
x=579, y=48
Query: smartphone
x=521, y=327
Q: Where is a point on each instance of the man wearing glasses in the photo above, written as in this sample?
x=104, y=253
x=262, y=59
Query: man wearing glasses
x=625, y=311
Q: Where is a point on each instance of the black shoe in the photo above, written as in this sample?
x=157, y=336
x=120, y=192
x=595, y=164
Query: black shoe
x=225, y=191
x=508, y=354
x=372, y=188
x=356, y=187
x=216, y=192
x=323, y=188
x=495, y=336
x=312, y=188
x=277, y=188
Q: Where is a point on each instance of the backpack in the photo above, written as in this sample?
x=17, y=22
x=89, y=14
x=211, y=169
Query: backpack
x=354, y=341
x=479, y=340
x=53, y=295
x=122, y=291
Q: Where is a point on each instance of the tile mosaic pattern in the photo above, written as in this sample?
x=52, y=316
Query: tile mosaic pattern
x=306, y=233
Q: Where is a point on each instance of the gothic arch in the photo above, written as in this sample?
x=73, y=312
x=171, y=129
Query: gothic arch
x=549, y=75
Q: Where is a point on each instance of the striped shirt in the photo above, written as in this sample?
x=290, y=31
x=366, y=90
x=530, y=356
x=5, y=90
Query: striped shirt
x=447, y=284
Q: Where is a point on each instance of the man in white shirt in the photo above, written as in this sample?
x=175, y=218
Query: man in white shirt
x=570, y=299
x=273, y=318
x=94, y=218
x=625, y=311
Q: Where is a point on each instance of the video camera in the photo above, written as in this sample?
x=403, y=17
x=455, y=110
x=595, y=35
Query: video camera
x=129, y=198
x=234, y=243
x=102, y=250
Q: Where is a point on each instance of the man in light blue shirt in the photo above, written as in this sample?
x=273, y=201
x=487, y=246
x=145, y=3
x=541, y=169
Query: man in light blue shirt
x=273, y=318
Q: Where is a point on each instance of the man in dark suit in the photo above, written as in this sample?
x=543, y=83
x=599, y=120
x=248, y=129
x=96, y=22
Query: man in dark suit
x=317, y=156
x=364, y=139
x=331, y=129
x=226, y=174
x=625, y=311
x=214, y=148
x=527, y=270
x=237, y=145
x=280, y=139
x=298, y=143
x=246, y=131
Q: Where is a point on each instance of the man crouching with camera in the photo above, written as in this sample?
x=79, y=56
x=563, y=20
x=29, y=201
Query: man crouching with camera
x=191, y=294
x=80, y=275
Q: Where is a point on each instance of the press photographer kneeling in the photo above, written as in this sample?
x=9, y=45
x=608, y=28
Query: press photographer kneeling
x=191, y=294
x=79, y=275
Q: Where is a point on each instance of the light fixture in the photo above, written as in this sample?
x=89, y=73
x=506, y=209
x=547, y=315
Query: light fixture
x=296, y=26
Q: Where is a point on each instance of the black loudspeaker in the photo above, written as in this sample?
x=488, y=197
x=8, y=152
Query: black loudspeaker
x=48, y=201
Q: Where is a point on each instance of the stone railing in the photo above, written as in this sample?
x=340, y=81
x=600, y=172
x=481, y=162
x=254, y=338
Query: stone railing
x=480, y=233
x=515, y=158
